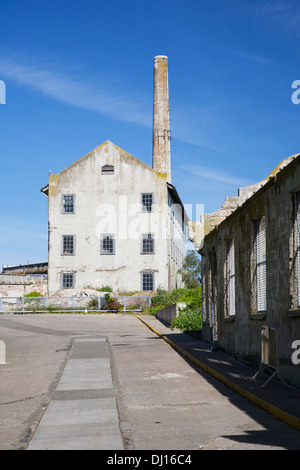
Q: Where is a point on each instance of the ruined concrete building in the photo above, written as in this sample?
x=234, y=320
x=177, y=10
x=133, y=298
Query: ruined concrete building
x=113, y=220
x=251, y=272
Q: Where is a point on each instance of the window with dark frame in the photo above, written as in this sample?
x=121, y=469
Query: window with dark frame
x=147, y=243
x=68, y=245
x=68, y=206
x=147, y=281
x=147, y=202
x=107, y=244
x=67, y=280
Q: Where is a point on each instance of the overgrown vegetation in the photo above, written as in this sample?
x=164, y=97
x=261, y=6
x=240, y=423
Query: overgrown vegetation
x=104, y=289
x=190, y=317
x=33, y=294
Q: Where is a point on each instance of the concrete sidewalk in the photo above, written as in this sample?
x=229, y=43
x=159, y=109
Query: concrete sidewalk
x=276, y=397
x=82, y=414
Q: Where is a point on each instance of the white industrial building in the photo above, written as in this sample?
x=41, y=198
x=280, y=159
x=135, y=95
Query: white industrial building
x=113, y=220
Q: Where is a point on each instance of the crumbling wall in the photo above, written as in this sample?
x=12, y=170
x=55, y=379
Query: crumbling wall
x=240, y=335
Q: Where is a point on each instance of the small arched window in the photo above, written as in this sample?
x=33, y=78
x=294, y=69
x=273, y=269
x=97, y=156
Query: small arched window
x=107, y=170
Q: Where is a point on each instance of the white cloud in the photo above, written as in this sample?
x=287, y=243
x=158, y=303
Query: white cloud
x=256, y=58
x=103, y=97
x=115, y=98
x=216, y=176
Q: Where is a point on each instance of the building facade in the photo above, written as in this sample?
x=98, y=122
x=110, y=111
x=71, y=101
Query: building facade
x=113, y=220
x=251, y=272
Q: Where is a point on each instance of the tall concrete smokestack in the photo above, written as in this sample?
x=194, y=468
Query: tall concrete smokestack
x=161, y=157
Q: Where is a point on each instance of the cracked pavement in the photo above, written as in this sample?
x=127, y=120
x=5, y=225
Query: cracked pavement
x=164, y=402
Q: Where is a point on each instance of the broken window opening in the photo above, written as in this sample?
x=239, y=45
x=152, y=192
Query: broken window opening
x=147, y=243
x=68, y=244
x=147, y=201
x=68, y=206
x=107, y=244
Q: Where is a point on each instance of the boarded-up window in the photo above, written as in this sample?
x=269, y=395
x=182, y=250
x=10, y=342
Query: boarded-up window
x=230, y=277
x=260, y=244
x=107, y=170
x=297, y=242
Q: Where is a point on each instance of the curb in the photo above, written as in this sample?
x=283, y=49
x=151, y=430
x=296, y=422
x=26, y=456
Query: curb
x=271, y=409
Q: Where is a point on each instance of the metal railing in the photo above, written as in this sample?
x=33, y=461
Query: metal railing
x=74, y=304
x=269, y=352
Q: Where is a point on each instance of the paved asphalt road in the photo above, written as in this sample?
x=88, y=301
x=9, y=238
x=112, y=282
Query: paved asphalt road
x=162, y=401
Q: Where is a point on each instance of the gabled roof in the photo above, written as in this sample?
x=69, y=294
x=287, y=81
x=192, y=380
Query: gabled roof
x=104, y=145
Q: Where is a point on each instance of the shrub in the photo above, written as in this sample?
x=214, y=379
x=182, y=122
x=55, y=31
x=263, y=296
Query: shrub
x=104, y=289
x=93, y=304
x=190, y=320
x=33, y=294
x=192, y=298
x=111, y=303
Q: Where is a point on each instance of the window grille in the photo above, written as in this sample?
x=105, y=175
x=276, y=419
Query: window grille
x=68, y=206
x=107, y=170
x=67, y=281
x=230, y=277
x=260, y=233
x=147, y=243
x=298, y=243
x=147, y=202
x=107, y=244
x=147, y=281
x=68, y=245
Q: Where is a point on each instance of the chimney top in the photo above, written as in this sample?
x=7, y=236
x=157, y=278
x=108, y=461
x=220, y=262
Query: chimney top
x=160, y=57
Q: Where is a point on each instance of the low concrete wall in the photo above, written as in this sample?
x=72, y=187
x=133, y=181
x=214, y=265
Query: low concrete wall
x=168, y=314
x=19, y=290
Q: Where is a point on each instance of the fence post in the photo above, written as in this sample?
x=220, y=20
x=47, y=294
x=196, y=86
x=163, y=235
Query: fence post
x=0, y=305
x=124, y=306
x=22, y=304
x=72, y=304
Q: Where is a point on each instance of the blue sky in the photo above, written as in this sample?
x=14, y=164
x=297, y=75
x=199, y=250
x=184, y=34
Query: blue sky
x=78, y=73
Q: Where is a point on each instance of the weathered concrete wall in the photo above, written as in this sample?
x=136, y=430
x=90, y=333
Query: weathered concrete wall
x=108, y=204
x=168, y=314
x=240, y=335
x=19, y=290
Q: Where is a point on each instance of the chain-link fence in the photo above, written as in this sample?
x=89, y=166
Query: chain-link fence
x=85, y=304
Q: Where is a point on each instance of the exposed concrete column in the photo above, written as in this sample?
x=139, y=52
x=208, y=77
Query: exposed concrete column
x=161, y=157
